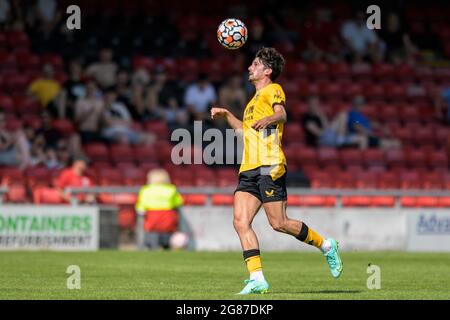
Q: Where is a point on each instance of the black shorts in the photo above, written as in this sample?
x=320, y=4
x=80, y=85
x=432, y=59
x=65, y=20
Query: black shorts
x=267, y=183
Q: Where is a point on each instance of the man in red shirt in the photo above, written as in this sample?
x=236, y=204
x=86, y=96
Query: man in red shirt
x=74, y=177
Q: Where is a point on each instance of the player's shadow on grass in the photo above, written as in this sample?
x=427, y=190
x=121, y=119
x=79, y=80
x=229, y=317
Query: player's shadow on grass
x=322, y=291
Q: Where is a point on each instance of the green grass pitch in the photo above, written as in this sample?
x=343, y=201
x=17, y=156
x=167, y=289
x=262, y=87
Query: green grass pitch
x=219, y=275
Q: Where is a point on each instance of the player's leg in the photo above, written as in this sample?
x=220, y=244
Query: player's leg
x=278, y=219
x=246, y=207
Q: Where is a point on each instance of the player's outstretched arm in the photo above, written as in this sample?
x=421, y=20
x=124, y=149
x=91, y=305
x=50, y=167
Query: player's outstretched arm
x=233, y=122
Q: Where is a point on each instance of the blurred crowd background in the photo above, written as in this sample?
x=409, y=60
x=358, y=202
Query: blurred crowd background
x=367, y=108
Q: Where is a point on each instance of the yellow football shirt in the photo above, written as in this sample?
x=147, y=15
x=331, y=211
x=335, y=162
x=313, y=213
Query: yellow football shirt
x=263, y=147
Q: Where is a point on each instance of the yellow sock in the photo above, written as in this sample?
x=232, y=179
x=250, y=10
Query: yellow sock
x=309, y=236
x=252, y=259
x=253, y=264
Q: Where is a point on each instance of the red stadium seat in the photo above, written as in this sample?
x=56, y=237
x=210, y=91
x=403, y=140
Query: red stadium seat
x=344, y=180
x=16, y=83
x=293, y=132
x=321, y=180
x=356, y=201
x=110, y=177
x=145, y=154
x=227, y=177
x=383, y=201
x=54, y=59
x=143, y=62
x=367, y=180
x=327, y=156
x=133, y=176
x=311, y=201
x=28, y=61
x=183, y=177
x=373, y=157
x=340, y=71
x=432, y=180
x=395, y=158
x=348, y=157
x=27, y=106
x=65, y=127
x=374, y=92
x=395, y=92
x=410, y=114
x=388, y=180
x=317, y=70
x=17, y=193
x=383, y=71
x=415, y=158
x=11, y=176
x=97, y=152
x=437, y=159
x=222, y=199
x=194, y=199
x=120, y=199
x=7, y=104
x=121, y=153
x=308, y=156
x=352, y=90
x=37, y=176
x=45, y=195
x=205, y=177
x=410, y=180
x=444, y=202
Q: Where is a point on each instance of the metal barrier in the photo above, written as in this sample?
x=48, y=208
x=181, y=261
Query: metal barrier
x=338, y=193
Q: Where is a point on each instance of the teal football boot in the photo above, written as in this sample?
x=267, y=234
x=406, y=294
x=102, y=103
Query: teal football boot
x=253, y=286
x=334, y=260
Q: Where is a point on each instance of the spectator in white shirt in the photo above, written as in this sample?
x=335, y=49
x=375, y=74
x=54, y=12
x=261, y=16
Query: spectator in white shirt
x=199, y=98
x=359, y=39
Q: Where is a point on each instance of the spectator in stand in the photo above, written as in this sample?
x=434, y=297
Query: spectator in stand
x=175, y=115
x=53, y=136
x=395, y=38
x=232, y=94
x=46, y=12
x=441, y=98
x=123, y=87
x=74, y=176
x=118, y=123
x=88, y=113
x=199, y=98
x=321, y=132
x=160, y=91
x=46, y=89
x=4, y=13
x=74, y=89
x=359, y=39
x=14, y=146
x=104, y=70
x=358, y=123
x=158, y=203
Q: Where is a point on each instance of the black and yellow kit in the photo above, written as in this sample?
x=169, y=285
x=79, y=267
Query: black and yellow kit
x=263, y=168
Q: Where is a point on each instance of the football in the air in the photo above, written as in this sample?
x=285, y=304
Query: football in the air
x=232, y=33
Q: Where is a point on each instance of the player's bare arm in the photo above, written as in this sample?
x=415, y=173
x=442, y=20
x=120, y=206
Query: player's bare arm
x=279, y=116
x=232, y=121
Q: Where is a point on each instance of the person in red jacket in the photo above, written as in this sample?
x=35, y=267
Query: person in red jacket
x=74, y=176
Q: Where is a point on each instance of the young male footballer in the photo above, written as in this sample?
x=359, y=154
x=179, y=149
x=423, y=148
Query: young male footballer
x=262, y=174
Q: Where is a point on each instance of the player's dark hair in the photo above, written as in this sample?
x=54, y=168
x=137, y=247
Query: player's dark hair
x=272, y=59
